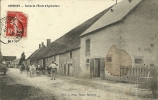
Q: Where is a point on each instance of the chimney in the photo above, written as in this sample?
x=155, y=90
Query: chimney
x=42, y=44
x=39, y=46
x=129, y=0
x=48, y=42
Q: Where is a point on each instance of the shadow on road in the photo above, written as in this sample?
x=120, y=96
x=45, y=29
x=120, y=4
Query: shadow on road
x=9, y=90
x=148, y=95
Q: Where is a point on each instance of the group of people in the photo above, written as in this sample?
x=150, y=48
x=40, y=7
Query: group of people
x=33, y=70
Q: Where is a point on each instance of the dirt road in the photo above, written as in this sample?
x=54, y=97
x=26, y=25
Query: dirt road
x=16, y=86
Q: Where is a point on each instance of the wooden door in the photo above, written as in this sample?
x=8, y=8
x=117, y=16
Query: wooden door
x=91, y=67
x=102, y=68
x=68, y=69
x=44, y=64
x=97, y=67
x=65, y=69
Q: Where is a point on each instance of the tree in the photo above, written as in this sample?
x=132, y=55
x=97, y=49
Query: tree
x=22, y=58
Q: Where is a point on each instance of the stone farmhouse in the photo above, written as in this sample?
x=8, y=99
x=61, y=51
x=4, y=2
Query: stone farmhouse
x=125, y=34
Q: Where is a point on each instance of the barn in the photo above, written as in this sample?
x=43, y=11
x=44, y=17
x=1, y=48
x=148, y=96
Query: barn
x=33, y=58
x=126, y=35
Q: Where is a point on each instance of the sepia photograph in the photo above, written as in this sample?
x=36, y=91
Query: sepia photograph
x=79, y=50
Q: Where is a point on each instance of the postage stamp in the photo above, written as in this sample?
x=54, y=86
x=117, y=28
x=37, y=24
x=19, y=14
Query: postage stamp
x=13, y=27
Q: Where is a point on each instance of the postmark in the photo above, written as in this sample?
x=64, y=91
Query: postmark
x=13, y=27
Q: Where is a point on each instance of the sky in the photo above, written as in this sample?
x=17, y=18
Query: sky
x=49, y=23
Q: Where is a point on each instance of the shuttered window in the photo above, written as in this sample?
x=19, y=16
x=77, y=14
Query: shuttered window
x=87, y=64
x=87, y=46
x=54, y=58
x=87, y=61
x=47, y=59
x=70, y=54
x=109, y=59
x=138, y=61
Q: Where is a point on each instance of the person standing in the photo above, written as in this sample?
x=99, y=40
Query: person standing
x=153, y=81
x=28, y=70
x=49, y=70
x=53, y=67
x=38, y=70
x=43, y=70
x=22, y=68
x=31, y=71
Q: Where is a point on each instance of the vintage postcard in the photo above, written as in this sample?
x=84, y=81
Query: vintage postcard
x=79, y=50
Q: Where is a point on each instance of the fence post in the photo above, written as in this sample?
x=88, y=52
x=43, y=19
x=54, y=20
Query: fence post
x=145, y=71
x=144, y=74
x=120, y=72
x=133, y=73
x=130, y=73
x=146, y=80
x=140, y=79
x=123, y=72
x=139, y=74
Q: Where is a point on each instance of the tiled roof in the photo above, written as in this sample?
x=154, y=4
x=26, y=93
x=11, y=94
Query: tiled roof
x=33, y=54
x=115, y=14
x=70, y=40
x=37, y=54
x=9, y=58
x=16, y=60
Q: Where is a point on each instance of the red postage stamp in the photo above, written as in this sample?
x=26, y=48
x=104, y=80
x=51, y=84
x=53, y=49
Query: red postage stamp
x=16, y=25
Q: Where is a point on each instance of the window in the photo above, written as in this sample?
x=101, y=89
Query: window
x=138, y=61
x=70, y=54
x=152, y=45
x=47, y=59
x=54, y=58
x=152, y=65
x=70, y=64
x=87, y=61
x=87, y=46
x=109, y=59
x=87, y=64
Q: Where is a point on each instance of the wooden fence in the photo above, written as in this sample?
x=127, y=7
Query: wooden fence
x=138, y=74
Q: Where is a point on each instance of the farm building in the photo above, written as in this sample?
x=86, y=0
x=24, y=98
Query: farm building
x=65, y=51
x=33, y=58
x=15, y=63
x=7, y=60
x=126, y=35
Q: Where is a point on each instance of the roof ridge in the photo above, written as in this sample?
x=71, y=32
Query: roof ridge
x=71, y=40
x=113, y=16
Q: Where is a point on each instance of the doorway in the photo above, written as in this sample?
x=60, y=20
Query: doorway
x=65, y=69
x=96, y=67
x=68, y=69
x=44, y=64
